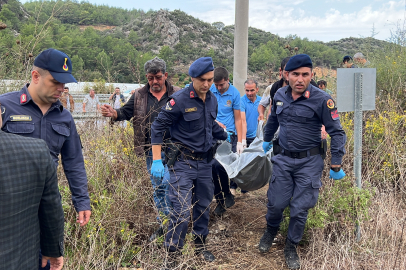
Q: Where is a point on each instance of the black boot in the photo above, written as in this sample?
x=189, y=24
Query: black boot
x=267, y=239
x=200, y=248
x=219, y=210
x=291, y=257
x=158, y=233
x=229, y=200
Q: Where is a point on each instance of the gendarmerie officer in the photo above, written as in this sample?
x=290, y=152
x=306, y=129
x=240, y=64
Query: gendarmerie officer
x=190, y=116
x=299, y=109
x=36, y=112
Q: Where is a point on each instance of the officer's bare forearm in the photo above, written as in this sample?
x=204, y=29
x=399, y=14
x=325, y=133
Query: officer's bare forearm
x=156, y=151
x=244, y=125
x=84, y=107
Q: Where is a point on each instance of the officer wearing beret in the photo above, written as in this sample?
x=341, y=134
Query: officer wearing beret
x=35, y=111
x=190, y=116
x=299, y=109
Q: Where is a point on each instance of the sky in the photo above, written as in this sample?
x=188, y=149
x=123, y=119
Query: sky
x=324, y=20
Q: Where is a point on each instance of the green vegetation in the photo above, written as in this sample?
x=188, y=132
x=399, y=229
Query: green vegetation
x=112, y=44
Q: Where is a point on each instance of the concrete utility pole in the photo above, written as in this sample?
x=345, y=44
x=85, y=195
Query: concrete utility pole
x=241, y=44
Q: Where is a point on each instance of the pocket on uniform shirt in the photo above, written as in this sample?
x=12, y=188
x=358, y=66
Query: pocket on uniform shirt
x=20, y=127
x=193, y=120
x=303, y=115
x=58, y=137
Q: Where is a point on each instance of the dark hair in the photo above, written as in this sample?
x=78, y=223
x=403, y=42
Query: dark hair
x=220, y=73
x=284, y=62
x=251, y=81
x=117, y=87
x=66, y=87
x=322, y=82
x=155, y=65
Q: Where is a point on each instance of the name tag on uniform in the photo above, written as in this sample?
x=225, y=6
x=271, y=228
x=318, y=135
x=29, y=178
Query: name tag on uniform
x=279, y=103
x=191, y=109
x=20, y=118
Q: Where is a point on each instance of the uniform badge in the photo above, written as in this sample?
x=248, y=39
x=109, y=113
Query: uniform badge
x=65, y=66
x=192, y=94
x=307, y=94
x=330, y=104
x=16, y=118
x=168, y=108
x=228, y=103
x=191, y=109
x=279, y=103
x=172, y=102
x=23, y=98
x=334, y=115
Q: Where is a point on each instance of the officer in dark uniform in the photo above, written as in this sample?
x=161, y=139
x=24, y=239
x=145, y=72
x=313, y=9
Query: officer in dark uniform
x=190, y=116
x=299, y=109
x=36, y=112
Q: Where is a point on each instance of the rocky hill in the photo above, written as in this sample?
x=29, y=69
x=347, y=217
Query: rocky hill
x=113, y=43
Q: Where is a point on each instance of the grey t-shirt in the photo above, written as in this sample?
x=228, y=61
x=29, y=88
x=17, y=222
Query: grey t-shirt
x=91, y=103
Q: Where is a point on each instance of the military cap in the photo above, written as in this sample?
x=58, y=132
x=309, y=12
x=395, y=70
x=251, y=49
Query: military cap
x=298, y=61
x=201, y=66
x=57, y=63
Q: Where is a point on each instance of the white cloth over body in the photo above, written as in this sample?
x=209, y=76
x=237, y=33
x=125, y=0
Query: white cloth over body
x=253, y=168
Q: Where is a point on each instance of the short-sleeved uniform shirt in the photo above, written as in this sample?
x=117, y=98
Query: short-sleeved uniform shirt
x=251, y=114
x=91, y=103
x=57, y=128
x=227, y=103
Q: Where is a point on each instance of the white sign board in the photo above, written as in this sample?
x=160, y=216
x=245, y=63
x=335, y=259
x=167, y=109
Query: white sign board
x=346, y=89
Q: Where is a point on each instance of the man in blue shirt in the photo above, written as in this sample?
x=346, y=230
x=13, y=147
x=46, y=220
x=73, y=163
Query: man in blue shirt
x=190, y=116
x=249, y=112
x=299, y=110
x=229, y=118
x=35, y=111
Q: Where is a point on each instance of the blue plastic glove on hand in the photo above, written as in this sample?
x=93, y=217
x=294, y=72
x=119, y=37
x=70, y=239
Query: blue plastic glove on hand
x=157, y=168
x=337, y=175
x=229, y=136
x=266, y=146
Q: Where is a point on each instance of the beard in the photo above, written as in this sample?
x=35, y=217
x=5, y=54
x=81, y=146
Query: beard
x=156, y=88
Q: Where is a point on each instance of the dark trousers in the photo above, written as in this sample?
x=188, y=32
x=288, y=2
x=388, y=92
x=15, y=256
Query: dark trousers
x=190, y=191
x=47, y=267
x=294, y=183
x=249, y=141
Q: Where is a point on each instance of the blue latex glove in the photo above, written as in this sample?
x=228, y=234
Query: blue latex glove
x=229, y=136
x=266, y=146
x=157, y=168
x=337, y=175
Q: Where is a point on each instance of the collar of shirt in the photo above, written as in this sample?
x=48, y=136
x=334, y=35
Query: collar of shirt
x=226, y=93
x=306, y=94
x=257, y=100
x=28, y=98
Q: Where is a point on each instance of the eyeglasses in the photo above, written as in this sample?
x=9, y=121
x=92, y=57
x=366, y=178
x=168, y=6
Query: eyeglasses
x=152, y=78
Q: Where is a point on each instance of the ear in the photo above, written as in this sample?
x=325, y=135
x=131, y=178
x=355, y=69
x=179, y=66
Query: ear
x=166, y=75
x=35, y=76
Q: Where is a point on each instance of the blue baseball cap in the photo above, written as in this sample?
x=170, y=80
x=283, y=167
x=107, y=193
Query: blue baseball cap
x=201, y=66
x=298, y=61
x=57, y=63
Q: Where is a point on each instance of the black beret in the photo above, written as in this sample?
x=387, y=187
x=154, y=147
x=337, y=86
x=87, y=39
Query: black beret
x=298, y=61
x=201, y=66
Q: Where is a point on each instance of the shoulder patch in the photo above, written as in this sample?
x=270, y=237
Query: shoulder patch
x=334, y=115
x=330, y=104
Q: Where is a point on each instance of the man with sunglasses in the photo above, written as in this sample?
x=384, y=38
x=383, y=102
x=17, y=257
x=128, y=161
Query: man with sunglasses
x=143, y=107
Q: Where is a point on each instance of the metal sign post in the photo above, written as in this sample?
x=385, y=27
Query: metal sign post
x=358, y=137
x=356, y=89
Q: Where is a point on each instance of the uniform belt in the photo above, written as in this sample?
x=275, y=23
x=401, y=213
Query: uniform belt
x=193, y=155
x=312, y=152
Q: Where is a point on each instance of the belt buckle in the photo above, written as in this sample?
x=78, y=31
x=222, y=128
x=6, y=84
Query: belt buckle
x=295, y=154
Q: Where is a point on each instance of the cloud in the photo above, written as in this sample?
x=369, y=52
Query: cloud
x=299, y=18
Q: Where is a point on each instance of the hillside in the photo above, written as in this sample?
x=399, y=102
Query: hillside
x=112, y=44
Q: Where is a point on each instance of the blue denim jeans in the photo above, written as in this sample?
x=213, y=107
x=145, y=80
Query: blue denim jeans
x=161, y=188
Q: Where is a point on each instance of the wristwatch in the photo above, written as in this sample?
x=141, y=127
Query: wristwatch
x=336, y=169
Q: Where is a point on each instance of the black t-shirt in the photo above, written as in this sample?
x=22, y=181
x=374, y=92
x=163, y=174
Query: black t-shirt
x=153, y=108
